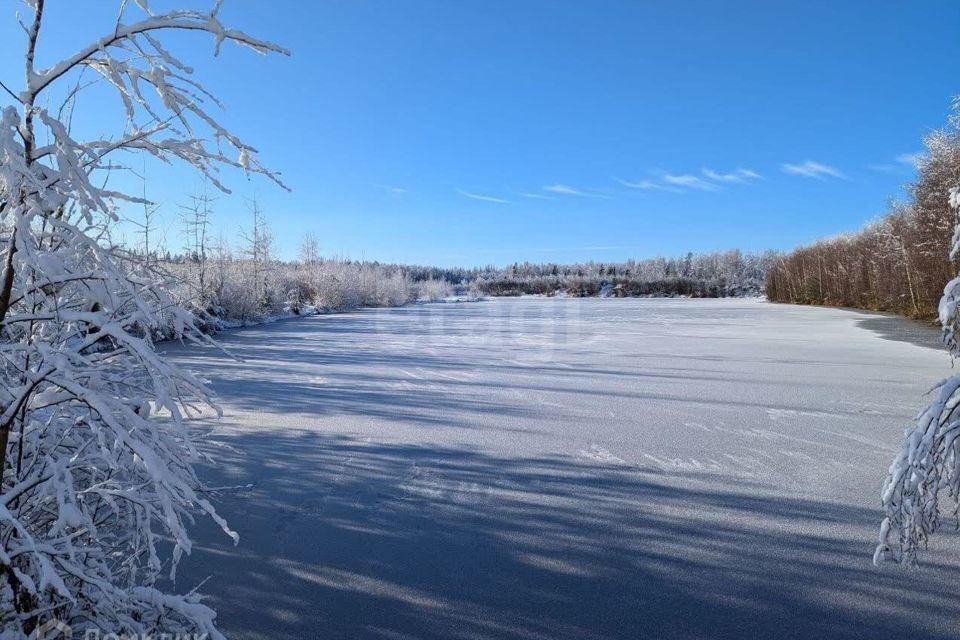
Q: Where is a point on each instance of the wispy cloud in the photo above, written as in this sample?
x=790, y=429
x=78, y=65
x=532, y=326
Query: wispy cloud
x=567, y=190
x=564, y=190
x=900, y=164
x=534, y=196
x=641, y=184
x=740, y=175
x=711, y=180
x=912, y=159
x=811, y=169
x=528, y=249
x=689, y=181
x=481, y=197
x=394, y=191
x=885, y=168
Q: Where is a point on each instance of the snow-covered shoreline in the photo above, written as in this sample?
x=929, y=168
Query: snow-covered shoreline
x=312, y=310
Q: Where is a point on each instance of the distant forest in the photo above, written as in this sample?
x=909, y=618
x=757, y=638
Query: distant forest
x=707, y=275
x=227, y=285
x=899, y=262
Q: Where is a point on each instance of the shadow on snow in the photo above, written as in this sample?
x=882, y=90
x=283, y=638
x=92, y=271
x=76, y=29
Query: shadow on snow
x=341, y=538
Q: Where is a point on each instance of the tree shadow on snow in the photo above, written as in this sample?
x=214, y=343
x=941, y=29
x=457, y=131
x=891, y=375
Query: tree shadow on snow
x=345, y=538
x=899, y=329
x=351, y=537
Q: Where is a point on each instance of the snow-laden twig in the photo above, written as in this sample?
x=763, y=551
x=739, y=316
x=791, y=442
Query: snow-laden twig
x=927, y=467
x=96, y=450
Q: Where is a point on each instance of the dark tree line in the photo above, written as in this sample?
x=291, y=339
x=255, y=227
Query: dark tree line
x=899, y=262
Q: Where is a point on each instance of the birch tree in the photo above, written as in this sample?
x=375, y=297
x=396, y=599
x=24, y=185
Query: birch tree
x=95, y=451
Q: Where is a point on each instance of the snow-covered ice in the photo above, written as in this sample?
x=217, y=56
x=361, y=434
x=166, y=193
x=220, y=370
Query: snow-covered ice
x=578, y=468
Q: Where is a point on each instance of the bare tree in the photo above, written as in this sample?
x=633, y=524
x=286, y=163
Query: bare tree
x=897, y=263
x=146, y=227
x=310, y=249
x=195, y=218
x=258, y=247
x=222, y=257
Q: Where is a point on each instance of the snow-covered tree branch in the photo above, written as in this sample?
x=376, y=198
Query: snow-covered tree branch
x=928, y=464
x=95, y=451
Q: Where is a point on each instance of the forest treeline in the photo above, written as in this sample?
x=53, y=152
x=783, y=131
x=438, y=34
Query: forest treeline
x=899, y=262
x=706, y=275
x=225, y=284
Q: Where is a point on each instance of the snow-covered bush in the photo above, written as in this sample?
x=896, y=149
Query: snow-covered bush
x=393, y=290
x=237, y=301
x=337, y=285
x=433, y=290
x=928, y=464
x=95, y=452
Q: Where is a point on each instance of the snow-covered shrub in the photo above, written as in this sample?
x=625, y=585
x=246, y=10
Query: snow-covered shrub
x=928, y=463
x=95, y=453
x=238, y=302
x=433, y=290
x=337, y=285
x=393, y=290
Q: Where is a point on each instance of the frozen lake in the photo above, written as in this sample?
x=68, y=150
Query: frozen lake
x=542, y=468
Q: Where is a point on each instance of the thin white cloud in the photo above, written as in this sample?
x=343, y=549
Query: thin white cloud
x=567, y=190
x=811, y=169
x=582, y=248
x=884, y=168
x=527, y=249
x=534, y=196
x=900, y=164
x=394, y=191
x=740, y=175
x=564, y=190
x=688, y=181
x=648, y=185
x=481, y=197
x=678, y=183
x=912, y=159
x=642, y=184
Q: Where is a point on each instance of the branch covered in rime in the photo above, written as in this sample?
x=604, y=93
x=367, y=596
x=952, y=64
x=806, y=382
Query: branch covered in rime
x=96, y=448
x=928, y=464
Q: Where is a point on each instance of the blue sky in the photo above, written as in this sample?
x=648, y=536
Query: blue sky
x=492, y=131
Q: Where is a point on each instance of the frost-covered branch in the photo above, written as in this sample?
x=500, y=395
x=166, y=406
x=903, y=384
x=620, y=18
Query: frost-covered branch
x=96, y=449
x=927, y=467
